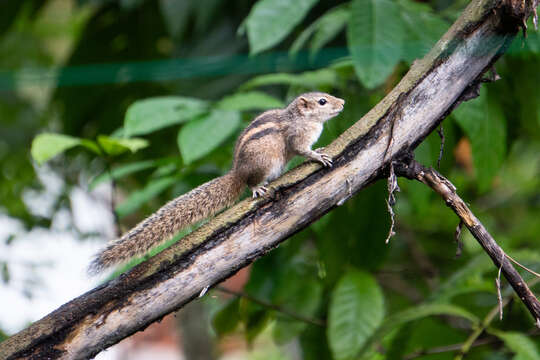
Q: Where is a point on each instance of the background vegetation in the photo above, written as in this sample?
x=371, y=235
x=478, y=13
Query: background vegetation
x=151, y=95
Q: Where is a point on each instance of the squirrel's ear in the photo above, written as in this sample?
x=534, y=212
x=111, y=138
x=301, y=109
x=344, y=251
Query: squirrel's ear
x=303, y=102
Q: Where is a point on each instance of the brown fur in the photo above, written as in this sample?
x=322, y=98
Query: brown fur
x=262, y=151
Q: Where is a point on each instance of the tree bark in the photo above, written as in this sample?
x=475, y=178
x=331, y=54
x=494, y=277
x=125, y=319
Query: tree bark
x=416, y=106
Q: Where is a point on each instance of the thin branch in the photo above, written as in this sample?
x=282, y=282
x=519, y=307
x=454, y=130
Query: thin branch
x=413, y=170
x=289, y=313
x=522, y=266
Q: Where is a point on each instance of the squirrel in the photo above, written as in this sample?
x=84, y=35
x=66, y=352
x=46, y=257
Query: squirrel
x=262, y=150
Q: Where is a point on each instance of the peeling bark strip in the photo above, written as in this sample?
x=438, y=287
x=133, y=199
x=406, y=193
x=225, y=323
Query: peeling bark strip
x=430, y=90
x=438, y=183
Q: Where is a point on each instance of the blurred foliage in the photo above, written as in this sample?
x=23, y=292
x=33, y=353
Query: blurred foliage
x=153, y=93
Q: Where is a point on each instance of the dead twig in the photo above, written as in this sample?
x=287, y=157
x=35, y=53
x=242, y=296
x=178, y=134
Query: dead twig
x=440, y=131
x=411, y=169
x=457, y=235
x=391, y=201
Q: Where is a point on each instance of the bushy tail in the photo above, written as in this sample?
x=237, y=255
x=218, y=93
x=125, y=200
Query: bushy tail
x=186, y=209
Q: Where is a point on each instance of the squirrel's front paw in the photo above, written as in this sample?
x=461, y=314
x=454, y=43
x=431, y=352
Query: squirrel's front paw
x=259, y=191
x=324, y=159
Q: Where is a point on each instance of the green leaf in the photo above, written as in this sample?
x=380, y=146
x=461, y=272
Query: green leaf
x=356, y=311
x=521, y=345
x=148, y=115
x=140, y=197
x=423, y=28
x=115, y=146
x=483, y=121
x=308, y=79
x=375, y=36
x=92, y=146
x=226, y=320
x=201, y=136
x=251, y=100
x=46, y=146
x=270, y=21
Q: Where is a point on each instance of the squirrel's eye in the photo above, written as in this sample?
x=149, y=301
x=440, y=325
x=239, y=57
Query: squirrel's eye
x=322, y=101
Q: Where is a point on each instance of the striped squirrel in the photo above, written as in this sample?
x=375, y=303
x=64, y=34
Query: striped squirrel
x=261, y=152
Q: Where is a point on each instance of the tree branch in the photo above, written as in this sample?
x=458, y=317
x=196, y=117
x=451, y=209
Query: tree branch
x=438, y=183
x=415, y=107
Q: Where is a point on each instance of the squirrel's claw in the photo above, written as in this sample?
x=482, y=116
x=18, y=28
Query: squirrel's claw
x=259, y=192
x=324, y=159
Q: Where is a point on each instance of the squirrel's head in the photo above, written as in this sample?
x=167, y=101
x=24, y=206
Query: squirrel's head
x=317, y=106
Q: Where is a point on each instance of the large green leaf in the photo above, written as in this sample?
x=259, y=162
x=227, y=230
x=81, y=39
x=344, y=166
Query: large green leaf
x=270, y=21
x=521, y=345
x=201, y=136
x=483, y=122
x=356, y=311
x=375, y=38
x=250, y=100
x=46, y=146
x=148, y=115
x=140, y=197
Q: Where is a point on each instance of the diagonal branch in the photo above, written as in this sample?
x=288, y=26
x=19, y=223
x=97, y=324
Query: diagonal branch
x=438, y=183
x=414, y=108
